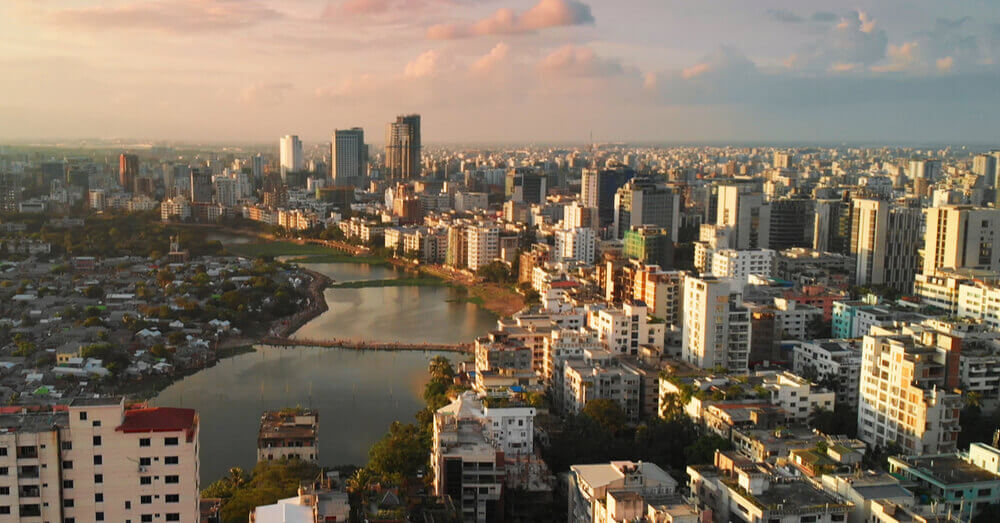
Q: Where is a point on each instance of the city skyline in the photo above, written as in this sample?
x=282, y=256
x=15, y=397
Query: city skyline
x=547, y=71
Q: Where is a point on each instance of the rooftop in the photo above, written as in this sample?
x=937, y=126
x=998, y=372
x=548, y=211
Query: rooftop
x=947, y=469
x=159, y=419
x=96, y=402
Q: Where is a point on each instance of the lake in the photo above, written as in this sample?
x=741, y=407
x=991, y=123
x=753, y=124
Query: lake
x=358, y=393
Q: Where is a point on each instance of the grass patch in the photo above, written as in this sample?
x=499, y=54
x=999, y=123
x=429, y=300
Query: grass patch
x=302, y=253
x=394, y=282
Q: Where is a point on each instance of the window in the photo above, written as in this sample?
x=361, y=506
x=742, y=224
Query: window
x=143, y=442
x=69, y=520
x=145, y=462
x=96, y=423
x=83, y=416
x=98, y=460
x=171, y=479
x=147, y=518
x=4, y=491
x=97, y=441
x=67, y=445
x=170, y=442
x=67, y=503
x=145, y=480
x=67, y=483
x=170, y=460
x=3, y=471
x=173, y=516
x=99, y=497
x=3, y=451
x=67, y=465
x=99, y=516
x=173, y=498
x=128, y=505
x=145, y=500
x=98, y=478
x=5, y=509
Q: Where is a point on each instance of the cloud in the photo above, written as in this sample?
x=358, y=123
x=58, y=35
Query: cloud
x=724, y=60
x=491, y=60
x=350, y=87
x=166, y=16
x=545, y=14
x=855, y=39
x=945, y=64
x=261, y=93
x=901, y=58
x=360, y=7
x=783, y=15
x=422, y=66
x=823, y=17
x=577, y=61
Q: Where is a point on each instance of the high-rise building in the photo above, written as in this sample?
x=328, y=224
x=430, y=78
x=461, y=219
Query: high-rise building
x=257, y=169
x=748, y=214
x=575, y=244
x=291, y=159
x=928, y=170
x=525, y=185
x=643, y=202
x=650, y=245
x=598, y=189
x=100, y=461
x=885, y=239
x=962, y=237
x=985, y=165
x=716, y=327
x=782, y=160
x=482, y=244
x=128, y=170
x=402, y=148
x=792, y=223
x=349, y=157
x=10, y=192
x=907, y=394
x=832, y=226
x=201, y=186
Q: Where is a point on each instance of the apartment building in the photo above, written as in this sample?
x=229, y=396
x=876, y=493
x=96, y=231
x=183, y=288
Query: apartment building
x=964, y=482
x=574, y=244
x=961, y=237
x=907, y=394
x=97, y=460
x=716, y=328
x=798, y=396
x=482, y=244
x=498, y=351
x=885, y=239
x=616, y=491
x=739, y=265
x=601, y=377
x=831, y=360
x=289, y=433
x=624, y=330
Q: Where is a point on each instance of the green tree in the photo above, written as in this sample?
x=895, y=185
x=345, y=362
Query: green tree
x=607, y=413
x=404, y=450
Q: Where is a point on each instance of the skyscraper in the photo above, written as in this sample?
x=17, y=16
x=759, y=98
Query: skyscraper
x=748, y=214
x=716, y=329
x=832, y=226
x=128, y=170
x=348, y=157
x=644, y=202
x=201, y=186
x=961, y=237
x=925, y=170
x=985, y=165
x=10, y=192
x=792, y=221
x=402, y=147
x=291, y=155
x=525, y=185
x=885, y=238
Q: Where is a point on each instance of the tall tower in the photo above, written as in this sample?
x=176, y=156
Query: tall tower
x=885, y=239
x=348, y=156
x=402, y=147
x=961, y=237
x=749, y=215
x=128, y=170
x=291, y=155
x=644, y=202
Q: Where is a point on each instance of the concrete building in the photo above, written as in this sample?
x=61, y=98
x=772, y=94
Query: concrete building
x=290, y=155
x=482, y=244
x=747, y=213
x=525, y=185
x=907, y=394
x=832, y=226
x=792, y=223
x=964, y=482
x=799, y=397
x=98, y=461
x=962, y=237
x=498, y=351
x=606, y=492
x=349, y=157
x=737, y=265
x=649, y=245
x=323, y=501
x=831, y=360
x=575, y=244
x=403, y=148
x=643, y=202
x=289, y=433
x=601, y=376
x=885, y=240
x=624, y=329
x=128, y=171
x=716, y=327
x=598, y=188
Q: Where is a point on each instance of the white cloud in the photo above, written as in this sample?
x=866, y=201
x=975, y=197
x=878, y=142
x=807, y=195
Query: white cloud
x=422, y=66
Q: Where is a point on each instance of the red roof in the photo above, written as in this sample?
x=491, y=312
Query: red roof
x=564, y=284
x=16, y=409
x=159, y=419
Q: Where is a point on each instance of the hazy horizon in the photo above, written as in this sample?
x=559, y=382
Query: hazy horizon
x=502, y=71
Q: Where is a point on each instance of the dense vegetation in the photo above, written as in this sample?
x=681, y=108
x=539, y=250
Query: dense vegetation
x=266, y=484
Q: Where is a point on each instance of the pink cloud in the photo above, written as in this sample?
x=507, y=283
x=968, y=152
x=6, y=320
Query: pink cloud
x=491, y=60
x=579, y=61
x=422, y=66
x=945, y=64
x=167, y=16
x=545, y=14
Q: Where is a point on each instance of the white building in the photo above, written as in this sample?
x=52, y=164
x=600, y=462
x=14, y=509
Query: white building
x=716, y=327
x=838, y=360
x=739, y=265
x=747, y=213
x=98, y=461
x=962, y=237
x=886, y=239
x=575, y=244
x=599, y=491
x=600, y=376
x=624, y=330
x=797, y=395
x=291, y=159
x=483, y=245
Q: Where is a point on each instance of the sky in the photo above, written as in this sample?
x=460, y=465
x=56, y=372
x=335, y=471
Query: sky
x=511, y=71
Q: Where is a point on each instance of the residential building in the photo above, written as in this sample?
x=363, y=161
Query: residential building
x=836, y=361
x=716, y=327
x=525, y=185
x=497, y=351
x=128, y=171
x=598, y=189
x=799, y=397
x=482, y=245
x=575, y=244
x=964, y=482
x=885, y=239
x=603, y=492
x=738, y=265
x=100, y=461
x=643, y=202
x=601, y=376
x=747, y=213
x=907, y=395
x=321, y=501
x=649, y=245
x=624, y=329
x=289, y=433
x=962, y=237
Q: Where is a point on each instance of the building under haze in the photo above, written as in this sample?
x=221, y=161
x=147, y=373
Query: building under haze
x=128, y=171
x=643, y=202
x=885, y=239
x=747, y=212
x=291, y=155
x=402, y=148
x=598, y=188
x=348, y=157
